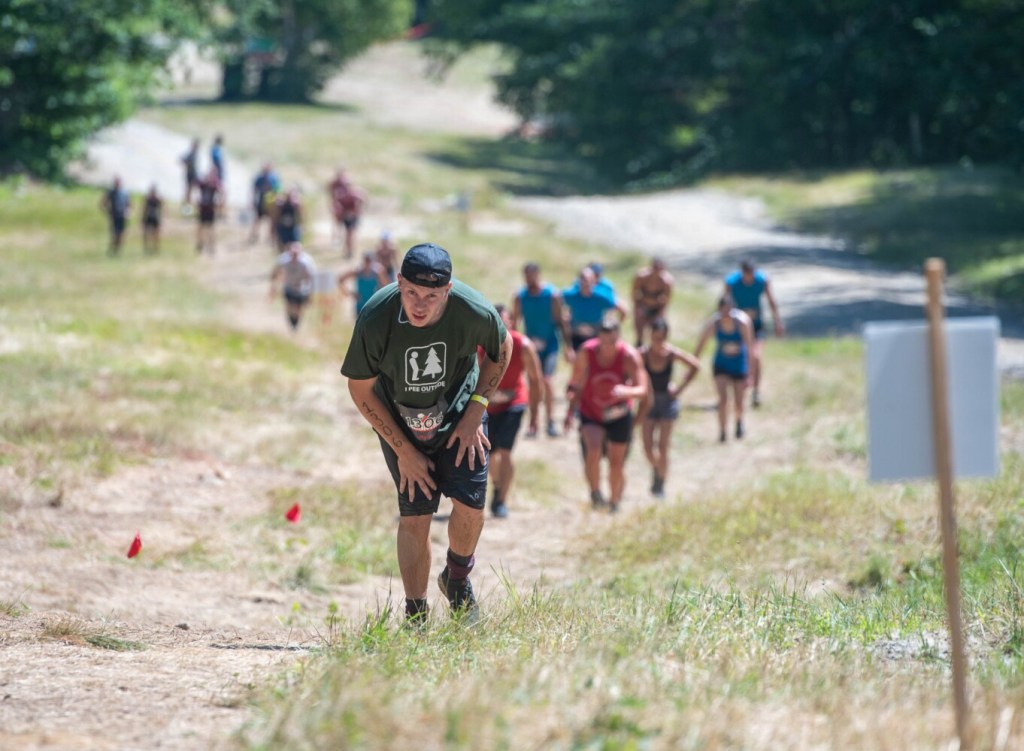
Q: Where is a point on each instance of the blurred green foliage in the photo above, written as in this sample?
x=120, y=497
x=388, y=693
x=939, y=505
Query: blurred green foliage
x=662, y=91
x=71, y=67
x=285, y=50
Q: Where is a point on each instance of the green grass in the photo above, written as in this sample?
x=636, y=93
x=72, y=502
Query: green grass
x=71, y=630
x=971, y=217
x=755, y=614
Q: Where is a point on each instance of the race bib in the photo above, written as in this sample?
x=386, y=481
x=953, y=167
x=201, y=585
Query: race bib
x=423, y=422
x=615, y=412
x=730, y=348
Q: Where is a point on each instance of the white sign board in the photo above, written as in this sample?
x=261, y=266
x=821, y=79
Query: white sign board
x=900, y=441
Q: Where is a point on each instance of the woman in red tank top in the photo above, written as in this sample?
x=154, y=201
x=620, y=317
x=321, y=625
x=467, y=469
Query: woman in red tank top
x=607, y=376
x=520, y=387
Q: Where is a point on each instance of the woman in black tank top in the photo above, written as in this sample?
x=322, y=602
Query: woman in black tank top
x=661, y=407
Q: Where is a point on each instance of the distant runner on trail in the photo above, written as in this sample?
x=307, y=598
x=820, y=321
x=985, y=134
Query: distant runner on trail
x=746, y=287
x=652, y=291
x=606, y=377
x=152, y=216
x=539, y=306
x=264, y=191
x=387, y=255
x=217, y=157
x=346, y=207
x=288, y=217
x=414, y=376
x=369, y=277
x=587, y=306
x=117, y=205
x=521, y=385
x=297, y=269
x=661, y=407
x=190, y=162
x=734, y=336
x=211, y=198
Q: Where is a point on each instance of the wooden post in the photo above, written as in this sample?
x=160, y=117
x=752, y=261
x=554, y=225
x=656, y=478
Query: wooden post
x=935, y=270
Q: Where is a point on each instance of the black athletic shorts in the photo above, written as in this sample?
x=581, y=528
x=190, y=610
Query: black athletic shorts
x=616, y=431
x=117, y=224
x=296, y=298
x=460, y=483
x=504, y=426
x=729, y=374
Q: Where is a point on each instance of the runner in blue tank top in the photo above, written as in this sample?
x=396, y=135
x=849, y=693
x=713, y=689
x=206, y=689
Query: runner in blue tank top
x=746, y=287
x=539, y=306
x=587, y=305
x=734, y=336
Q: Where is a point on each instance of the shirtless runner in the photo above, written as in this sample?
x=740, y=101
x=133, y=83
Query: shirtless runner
x=652, y=290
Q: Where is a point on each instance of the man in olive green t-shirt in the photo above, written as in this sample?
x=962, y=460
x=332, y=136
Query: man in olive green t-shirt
x=413, y=374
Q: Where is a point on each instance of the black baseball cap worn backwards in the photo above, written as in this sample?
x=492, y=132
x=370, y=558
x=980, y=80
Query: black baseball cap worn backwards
x=427, y=265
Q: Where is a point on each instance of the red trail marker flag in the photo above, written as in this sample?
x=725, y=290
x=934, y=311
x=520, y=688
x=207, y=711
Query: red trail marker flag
x=136, y=545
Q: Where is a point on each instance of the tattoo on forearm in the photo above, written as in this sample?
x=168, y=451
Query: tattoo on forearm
x=496, y=378
x=378, y=424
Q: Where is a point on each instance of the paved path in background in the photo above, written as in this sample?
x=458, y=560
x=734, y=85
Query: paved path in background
x=822, y=283
x=143, y=154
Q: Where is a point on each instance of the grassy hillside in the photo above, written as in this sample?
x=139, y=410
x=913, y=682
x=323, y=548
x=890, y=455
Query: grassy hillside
x=971, y=216
x=784, y=603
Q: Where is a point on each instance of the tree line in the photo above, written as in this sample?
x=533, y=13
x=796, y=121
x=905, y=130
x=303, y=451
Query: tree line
x=665, y=90
x=71, y=67
x=651, y=92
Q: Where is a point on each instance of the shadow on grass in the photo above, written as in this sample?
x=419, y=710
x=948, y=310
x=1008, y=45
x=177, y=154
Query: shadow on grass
x=525, y=168
x=841, y=303
x=174, y=102
x=974, y=219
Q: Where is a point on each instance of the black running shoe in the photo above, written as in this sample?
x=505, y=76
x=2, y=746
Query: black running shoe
x=739, y=428
x=597, y=500
x=499, y=509
x=460, y=595
x=416, y=621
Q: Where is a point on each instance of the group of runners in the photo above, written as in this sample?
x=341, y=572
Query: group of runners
x=116, y=203
x=445, y=379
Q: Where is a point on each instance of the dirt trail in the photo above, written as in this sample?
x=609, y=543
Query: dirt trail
x=214, y=623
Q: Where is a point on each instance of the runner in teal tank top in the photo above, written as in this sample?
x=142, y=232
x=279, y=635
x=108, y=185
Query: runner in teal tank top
x=734, y=335
x=539, y=307
x=746, y=287
x=369, y=277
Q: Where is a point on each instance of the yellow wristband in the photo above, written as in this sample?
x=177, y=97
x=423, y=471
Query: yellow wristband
x=482, y=399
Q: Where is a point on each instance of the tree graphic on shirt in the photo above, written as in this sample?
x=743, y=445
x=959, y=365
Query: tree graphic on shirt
x=432, y=367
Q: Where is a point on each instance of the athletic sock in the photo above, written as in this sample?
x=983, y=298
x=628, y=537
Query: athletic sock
x=415, y=607
x=459, y=566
